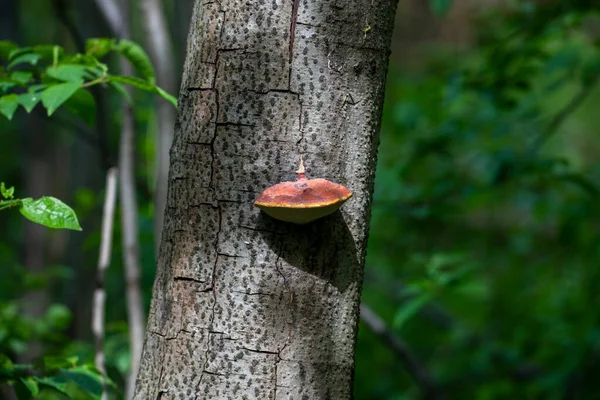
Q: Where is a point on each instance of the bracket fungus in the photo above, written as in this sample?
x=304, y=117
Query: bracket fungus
x=304, y=200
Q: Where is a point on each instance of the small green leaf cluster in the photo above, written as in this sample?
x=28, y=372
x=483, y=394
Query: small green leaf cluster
x=48, y=75
x=47, y=210
x=55, y=376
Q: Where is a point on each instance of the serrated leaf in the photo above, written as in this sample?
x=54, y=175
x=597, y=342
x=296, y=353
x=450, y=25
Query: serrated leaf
x=67, y=72
x=138, y=58
x=99, y=47
x=410, y=308
x=6, y=47
x=22, y=77
x=440, y=7
x=31, y=385
x=28, y=58
x=8, y=105
x=7, y=193
x=54, y=96
x=50, y=212
x=83, y=105
x=29, y=100
x=166, y=96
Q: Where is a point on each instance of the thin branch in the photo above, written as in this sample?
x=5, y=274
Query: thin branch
x=162, y=55
x=563, y=114
x=402, y=351
x=118, y=19
x=99, y=299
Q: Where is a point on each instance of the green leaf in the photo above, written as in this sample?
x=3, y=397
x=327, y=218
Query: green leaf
x=18, y=51
x=138, y=59
x=166, y=96
x=49, y=51
x=440, y=7
x=135, y=82
x=5, y=86
x=50, y=212
x=7, y=193
x=37, y=88
x=143, y=85
x=29, y=100
x=411, y=308
x=31, y=385
x=27, y=58
x=55, y=95
x=90, y=382
x=54, y=363
x=121, y=89
x=8, y=105
x=99, y=47
x=67, y=72
x=83, y=105
x=6, y=47
x=22, y=77
x=57, y=382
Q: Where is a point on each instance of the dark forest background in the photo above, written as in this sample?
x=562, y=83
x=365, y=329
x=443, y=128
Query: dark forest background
x=484, y=251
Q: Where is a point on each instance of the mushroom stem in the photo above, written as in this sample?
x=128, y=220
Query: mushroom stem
x=301, y=170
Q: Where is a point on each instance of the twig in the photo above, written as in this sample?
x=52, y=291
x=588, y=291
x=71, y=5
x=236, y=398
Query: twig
x=99, y=299
x=402, y=351
x=563, y=114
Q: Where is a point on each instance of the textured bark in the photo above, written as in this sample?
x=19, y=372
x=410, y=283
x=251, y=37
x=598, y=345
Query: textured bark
x=245, y=306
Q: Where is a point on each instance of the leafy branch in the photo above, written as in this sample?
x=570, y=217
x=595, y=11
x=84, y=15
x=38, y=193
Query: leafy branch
x=47, y=210
x=30, y=75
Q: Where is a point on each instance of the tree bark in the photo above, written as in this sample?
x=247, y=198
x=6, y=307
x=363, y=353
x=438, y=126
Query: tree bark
x=245, y=306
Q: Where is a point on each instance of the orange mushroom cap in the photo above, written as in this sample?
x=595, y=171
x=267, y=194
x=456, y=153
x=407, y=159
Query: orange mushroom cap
x=304, y=200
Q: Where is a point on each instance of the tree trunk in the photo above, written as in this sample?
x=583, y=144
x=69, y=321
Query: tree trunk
x=163, y=58
x=245, y=306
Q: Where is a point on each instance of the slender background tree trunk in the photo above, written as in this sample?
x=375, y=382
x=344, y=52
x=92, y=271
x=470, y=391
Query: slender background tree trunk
x=245, y=306
x=162, y=55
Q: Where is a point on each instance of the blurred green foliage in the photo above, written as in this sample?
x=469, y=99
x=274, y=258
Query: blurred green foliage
x=483, y=252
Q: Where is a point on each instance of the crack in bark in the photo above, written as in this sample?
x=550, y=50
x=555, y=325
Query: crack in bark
x=259, y=351
x=293, y=22
x=229, y=255
x=187, y=279
x=212, y=316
